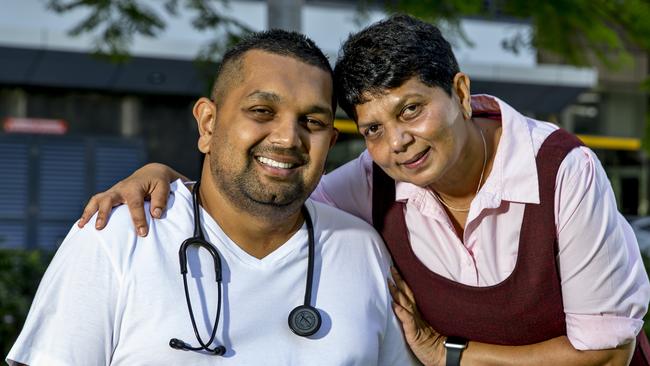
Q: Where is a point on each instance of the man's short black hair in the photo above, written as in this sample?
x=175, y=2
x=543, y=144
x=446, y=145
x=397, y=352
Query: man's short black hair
x=276, y=41
x=388, y=53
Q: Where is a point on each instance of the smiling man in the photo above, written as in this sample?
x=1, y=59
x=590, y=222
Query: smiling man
x=282, y=275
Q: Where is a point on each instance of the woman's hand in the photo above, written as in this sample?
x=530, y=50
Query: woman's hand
x=151, y=182
x=424, y=341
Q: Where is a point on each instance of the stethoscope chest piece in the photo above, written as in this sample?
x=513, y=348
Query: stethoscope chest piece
x=304, y=320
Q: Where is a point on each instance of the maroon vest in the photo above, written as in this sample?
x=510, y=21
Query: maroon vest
x=524, y=308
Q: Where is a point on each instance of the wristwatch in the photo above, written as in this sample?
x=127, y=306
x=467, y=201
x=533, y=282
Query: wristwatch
x=455, y=347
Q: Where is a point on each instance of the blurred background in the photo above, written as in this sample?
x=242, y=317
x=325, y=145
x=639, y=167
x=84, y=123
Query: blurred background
x=92, y=89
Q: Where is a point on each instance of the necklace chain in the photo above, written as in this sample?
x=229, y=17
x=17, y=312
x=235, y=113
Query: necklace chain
x=480, y=180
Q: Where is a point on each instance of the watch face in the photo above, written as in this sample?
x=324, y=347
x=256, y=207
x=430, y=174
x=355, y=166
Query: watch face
x=456, y=342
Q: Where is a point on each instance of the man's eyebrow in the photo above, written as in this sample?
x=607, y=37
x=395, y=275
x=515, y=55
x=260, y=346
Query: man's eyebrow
x=263, y=95
x=319, y=109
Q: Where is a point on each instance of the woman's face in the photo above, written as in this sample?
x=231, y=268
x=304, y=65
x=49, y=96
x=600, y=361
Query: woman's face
x=415, y=133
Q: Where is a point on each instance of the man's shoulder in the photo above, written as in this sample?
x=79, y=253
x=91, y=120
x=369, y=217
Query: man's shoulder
x=337, y=219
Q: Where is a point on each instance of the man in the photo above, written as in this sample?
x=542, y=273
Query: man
x=504, y=228
x=114, y=298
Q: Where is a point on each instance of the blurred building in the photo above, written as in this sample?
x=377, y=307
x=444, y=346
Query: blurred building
x=73, y=123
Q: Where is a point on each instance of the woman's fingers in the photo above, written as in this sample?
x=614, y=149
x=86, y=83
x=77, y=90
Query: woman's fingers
x=150, y=182
x=91, y=207
x=135, y=203
x=401, y=284
x=423, y=340
x=405, y=317
x=159, y=195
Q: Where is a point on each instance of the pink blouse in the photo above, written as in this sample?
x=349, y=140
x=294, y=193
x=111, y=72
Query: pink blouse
x=604, y=284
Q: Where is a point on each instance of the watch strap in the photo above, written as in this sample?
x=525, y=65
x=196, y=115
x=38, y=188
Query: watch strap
x=453, y=356
x=454, y=347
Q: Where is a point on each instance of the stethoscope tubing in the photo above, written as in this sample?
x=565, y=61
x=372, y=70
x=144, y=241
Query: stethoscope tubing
x=199, y=239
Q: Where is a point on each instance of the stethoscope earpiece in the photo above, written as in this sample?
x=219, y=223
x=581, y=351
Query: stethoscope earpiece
x=304, y=320
x=176, y=343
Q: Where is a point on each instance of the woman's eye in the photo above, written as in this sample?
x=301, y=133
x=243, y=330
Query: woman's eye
x=371, y=131
x=410, y=110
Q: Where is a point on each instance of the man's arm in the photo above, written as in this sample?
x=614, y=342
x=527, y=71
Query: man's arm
x=72, y=315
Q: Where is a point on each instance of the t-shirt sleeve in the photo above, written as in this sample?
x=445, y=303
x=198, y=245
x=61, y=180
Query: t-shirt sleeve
x=72, y=317
x=349, y=188
x=605, y=287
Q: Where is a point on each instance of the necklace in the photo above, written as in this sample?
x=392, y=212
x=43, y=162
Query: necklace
x=480, y=180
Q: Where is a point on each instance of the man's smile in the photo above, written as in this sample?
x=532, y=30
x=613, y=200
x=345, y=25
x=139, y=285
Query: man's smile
x=275, y=164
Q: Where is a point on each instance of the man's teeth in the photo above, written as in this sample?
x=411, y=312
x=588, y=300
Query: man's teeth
x=273, y=163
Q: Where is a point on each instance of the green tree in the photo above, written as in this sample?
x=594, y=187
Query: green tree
x=572, y=29
x=115, y=23
x=20, y=274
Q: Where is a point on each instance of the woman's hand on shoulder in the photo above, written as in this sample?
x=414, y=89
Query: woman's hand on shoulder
x=151, y=182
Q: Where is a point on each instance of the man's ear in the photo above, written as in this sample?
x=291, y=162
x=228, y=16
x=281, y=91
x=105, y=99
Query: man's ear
x=205, y=113
x=462, y=88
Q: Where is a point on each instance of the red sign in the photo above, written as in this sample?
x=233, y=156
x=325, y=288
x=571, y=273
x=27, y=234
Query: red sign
x=35, y=125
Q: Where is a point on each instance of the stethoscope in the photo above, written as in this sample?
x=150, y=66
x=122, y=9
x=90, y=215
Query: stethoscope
x=304, y=320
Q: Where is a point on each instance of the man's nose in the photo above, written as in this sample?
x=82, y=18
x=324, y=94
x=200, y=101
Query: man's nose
x=286, y=133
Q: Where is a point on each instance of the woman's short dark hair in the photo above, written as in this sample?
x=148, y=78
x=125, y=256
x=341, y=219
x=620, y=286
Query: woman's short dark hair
x=388, y=53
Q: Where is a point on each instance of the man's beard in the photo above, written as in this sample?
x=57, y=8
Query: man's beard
x=246, y=190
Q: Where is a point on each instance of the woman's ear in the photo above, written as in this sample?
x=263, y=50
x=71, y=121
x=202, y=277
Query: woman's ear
x=462, y=88
x=205, y=113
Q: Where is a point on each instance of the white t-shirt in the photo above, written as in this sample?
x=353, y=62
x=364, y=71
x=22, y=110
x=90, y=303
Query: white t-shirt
x=111, y=297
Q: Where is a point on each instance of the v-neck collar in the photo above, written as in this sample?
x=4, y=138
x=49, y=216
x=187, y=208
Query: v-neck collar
x=214, y=234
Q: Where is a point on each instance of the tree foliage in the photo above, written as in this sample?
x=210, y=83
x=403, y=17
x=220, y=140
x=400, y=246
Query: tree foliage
x=571, y=29
x=115, y=23
x=20, y=274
